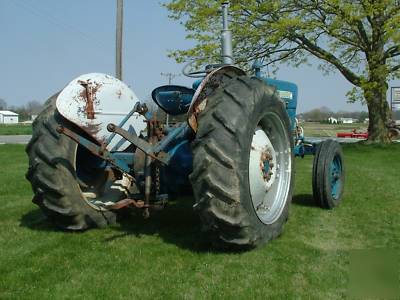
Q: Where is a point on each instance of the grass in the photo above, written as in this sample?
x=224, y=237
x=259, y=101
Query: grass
x=167, y=256
x=315, y=129
x=15, y=129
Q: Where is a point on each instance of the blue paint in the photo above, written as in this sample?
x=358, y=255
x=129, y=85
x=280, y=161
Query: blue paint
x=196, y=84
x=266, y=167
x=288, y=92
x=303, y=148
x=180, y=166
x=335, y=175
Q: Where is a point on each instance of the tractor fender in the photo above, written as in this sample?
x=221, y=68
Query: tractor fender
x=92, y=101
x=211, y=82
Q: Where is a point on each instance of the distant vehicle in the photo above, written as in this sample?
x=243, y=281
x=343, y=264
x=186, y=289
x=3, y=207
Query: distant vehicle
x=353, y=134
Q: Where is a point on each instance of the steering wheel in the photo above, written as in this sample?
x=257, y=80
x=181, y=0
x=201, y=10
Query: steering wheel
x=199, y=73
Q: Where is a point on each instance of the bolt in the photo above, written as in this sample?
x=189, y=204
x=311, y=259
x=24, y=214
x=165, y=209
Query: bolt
x=60, y=129
x=111, y=127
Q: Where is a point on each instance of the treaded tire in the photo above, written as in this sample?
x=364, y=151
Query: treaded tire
x=53, y=177
x=221, y=151
x=321, y=180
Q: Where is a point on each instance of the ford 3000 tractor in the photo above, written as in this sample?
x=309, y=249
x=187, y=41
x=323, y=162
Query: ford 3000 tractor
x=97, y=151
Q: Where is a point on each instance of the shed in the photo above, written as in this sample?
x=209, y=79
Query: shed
x=346, y=120
x=332, y=120
x=8, y=117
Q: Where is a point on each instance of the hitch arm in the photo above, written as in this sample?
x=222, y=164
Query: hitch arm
x=140, y=143
x=99, y=151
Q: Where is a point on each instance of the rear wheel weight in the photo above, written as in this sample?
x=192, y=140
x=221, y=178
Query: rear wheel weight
x=53, y=175
x=243, y=164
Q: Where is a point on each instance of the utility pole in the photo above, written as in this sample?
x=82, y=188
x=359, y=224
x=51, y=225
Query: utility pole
x=118, y=40
x=170, y=77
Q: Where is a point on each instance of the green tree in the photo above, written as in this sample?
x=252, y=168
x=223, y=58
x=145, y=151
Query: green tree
x=358, y=38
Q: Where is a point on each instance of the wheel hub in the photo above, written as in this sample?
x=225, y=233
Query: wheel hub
x=269, y=171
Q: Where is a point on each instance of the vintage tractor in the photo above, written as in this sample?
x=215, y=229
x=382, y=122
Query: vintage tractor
x=97, y=151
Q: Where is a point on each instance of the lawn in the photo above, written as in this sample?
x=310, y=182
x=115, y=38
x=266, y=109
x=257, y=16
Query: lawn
x=316, y=129
x=15, y=129
x=167, y=256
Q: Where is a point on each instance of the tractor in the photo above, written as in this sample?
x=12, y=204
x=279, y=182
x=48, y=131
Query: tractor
x=96, y=151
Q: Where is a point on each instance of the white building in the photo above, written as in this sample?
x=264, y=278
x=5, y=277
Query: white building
x=8, y=117
x=346, y=120
x=332, y=120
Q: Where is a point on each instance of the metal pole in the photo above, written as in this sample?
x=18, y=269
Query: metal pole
x=226, y=37
x=118, y=45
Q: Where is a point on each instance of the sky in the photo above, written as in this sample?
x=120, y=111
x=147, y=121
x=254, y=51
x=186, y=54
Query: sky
x=44, y=44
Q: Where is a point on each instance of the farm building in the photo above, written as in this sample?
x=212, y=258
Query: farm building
x=346, y=120
x=332, y=120
x=8, y=117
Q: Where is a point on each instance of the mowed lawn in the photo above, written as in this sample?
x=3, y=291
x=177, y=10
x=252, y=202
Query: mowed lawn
x=168, y=257
x=316, y=129
x=15, y=129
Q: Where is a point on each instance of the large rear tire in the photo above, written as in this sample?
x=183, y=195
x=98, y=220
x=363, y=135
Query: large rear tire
x=243, y=164
x=58, y=191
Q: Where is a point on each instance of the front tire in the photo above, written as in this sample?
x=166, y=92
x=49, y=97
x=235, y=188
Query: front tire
x=242, y=193
x=328, y=174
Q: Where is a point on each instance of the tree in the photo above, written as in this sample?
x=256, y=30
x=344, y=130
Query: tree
x=33, y=107
x=3, y=104
x=358, y=38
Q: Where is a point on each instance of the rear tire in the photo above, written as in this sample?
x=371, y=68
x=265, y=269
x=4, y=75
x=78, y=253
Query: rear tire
x=53, y=176
x=223, y=176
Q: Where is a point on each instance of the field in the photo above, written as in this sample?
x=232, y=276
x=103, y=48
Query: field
x=15, y=129
x=316, y=129
x=310, y=128
x=168, y=257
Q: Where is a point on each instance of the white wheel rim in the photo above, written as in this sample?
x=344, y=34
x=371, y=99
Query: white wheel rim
x=270, y=168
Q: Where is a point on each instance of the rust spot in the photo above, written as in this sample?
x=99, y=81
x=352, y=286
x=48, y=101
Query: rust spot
x=212, y=81
x=119, y=94
x=89, y=96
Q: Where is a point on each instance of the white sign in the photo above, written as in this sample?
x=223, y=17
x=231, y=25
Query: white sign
x=395, y=98
x=396, y=94
x=289, y=95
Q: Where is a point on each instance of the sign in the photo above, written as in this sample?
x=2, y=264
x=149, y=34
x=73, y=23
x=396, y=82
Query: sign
x=289, y=95
x=395, y=102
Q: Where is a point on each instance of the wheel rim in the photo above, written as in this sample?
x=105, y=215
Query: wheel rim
x=95, y=184
x=270, y=168
x=335, y=176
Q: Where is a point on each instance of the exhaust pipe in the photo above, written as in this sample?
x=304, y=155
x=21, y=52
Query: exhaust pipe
x=226, y=38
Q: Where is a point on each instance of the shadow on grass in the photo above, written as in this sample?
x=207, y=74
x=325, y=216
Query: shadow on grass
x=36, y=220
x=176, y=224
x=304, y=200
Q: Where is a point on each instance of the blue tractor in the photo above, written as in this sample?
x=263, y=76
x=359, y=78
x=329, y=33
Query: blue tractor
x=97, y=151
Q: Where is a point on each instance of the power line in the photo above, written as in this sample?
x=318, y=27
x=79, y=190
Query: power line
x=170, y=76
x=54, y=21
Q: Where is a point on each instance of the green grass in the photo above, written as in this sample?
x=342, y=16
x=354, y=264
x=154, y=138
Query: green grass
x=15, y=129
x=315, y=129
x=167, y=257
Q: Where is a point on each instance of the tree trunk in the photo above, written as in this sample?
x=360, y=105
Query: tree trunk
x=379, y=112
